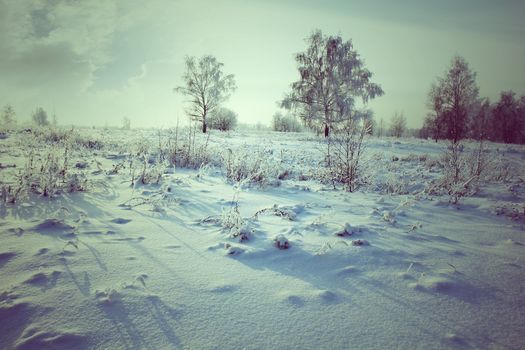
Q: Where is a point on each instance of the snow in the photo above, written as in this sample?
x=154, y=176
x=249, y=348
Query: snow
x=193, y=261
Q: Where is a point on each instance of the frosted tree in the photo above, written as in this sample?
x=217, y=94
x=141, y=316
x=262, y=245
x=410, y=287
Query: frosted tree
x=126, y=123
x=398, y=125
x=453, y=99
x=8, y=117
x=39, y=117
x=206, y=86
x=332, y=76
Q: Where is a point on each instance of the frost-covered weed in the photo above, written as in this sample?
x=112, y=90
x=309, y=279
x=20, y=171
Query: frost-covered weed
x=250, y=167
x=344, y=150
x=464, y=171
x=187, y=149
x=145, y=168
x=49, y=173
x=289, y=213
x=232, y=222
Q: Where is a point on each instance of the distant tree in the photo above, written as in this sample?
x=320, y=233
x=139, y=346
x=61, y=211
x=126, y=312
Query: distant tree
x=398, y=125
x=380, y=128
x=481, y=122
x=332, y=76
x=521, y=113
x=285, y=123
x=39, y=117
x=126, y=123
x=431, y=128
x=453, y=99
x=508, y=118
x=206, y=86
x=223, y=119
x=8, y=117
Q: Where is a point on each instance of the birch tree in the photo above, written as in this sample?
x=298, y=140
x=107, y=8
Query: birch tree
x=332, y=76
x=206, y=87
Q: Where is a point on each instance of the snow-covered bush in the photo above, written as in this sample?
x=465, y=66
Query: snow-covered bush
x=232, y=221
x=223, y=119
x=281, y=242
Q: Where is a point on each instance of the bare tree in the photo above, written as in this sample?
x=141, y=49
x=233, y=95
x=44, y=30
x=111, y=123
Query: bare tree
x=398, y=125
x=453, y=99
x=332, y=76
x=206, y=86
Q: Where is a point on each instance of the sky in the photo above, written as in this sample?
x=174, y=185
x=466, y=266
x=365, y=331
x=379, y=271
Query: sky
x=96, y=62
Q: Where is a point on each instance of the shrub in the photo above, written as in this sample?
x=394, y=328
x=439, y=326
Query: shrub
x=343, y=154
x=223, y=119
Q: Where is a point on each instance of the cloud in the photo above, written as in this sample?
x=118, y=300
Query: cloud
x=56, y=42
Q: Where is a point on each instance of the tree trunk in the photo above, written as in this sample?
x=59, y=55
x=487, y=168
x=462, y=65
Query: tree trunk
x=204, y=127
x=326, y=130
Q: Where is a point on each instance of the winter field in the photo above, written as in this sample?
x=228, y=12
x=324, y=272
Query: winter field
x=129, y=239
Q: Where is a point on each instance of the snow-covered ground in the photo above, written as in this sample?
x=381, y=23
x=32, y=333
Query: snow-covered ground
x=193, y=261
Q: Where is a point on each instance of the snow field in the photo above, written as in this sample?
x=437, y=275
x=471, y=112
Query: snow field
x=193, y=261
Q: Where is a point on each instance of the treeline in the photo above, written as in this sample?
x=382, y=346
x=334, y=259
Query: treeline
x=501, y=121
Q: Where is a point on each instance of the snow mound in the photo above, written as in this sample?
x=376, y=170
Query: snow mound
x=281, y=242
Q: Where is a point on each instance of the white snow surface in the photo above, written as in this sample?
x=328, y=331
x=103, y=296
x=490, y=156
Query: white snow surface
x=153, y=267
